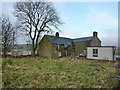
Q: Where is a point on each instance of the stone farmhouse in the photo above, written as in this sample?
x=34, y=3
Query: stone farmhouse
x=55, y=46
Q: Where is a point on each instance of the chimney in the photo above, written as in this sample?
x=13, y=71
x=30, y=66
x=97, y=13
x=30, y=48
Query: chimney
x=57, y=34
x=94, y=34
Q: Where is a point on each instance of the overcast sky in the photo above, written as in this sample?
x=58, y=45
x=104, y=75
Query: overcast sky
x=82, y=18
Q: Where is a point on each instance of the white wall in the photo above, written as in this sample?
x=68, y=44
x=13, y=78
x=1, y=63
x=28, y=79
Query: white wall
x=104, y=53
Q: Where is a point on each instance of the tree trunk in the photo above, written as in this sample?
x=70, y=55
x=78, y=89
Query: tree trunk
x=4, y=54
x=33, y=50
x=4, y=51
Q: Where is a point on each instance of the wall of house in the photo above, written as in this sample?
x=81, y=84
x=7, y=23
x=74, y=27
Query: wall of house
x=104, y=53
x=61, y=50
x=54, y=52
x=70, y=50
x=44, y=48
x=95, y=42
x=80, y=47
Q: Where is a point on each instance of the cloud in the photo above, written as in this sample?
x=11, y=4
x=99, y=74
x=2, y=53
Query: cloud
x=111, y=40
x=7, y=10
x=105, y=24
x=100, y=18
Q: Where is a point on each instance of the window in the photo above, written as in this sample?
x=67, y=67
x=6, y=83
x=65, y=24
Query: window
x=95, y=52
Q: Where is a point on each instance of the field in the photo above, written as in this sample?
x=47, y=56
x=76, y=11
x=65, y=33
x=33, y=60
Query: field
x=44, y=73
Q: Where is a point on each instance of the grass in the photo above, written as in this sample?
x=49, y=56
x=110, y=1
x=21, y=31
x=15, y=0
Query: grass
x=44, y=73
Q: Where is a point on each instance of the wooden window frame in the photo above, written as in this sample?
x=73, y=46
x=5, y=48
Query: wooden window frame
x=95, y=52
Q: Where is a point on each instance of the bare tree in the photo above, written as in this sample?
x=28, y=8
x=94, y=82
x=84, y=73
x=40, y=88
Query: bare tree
x=7, y=35
x=36, y=18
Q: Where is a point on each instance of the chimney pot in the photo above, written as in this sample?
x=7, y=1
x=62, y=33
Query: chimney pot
x=57, y=34
x=95, y=34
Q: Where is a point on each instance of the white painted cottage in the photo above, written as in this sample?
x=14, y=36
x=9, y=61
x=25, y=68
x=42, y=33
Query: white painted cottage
x=101, y=53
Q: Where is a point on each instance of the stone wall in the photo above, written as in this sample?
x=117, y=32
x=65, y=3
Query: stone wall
x=44, y=48
x=80, y=47
x=95, y=42
x=61, y=50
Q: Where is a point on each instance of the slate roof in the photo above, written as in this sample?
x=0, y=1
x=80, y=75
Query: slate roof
x=60, y=40
x=67, y=41
x=83, y=39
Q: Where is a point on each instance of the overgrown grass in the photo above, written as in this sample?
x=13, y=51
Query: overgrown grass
x=44, y=73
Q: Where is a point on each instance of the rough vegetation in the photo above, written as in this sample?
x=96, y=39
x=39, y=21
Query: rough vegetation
x=44, y=73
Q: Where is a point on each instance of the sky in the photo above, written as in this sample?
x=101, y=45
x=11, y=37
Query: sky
x=81, y=19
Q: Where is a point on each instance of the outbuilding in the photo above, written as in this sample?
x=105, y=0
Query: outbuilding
x=101, y=53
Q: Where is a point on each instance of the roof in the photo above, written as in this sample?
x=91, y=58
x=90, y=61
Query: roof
x=83, y=39
x=103, y=46
x=66, y=41
x=60, y=40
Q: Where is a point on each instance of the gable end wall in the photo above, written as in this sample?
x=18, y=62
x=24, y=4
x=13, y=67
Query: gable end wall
x=95, y=42
x=44, y=48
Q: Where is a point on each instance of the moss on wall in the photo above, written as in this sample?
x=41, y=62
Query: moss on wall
x=54, y=52
x=80, y=47
x=44, y=48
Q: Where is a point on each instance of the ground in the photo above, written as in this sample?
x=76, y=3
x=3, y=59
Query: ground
x=44, y=73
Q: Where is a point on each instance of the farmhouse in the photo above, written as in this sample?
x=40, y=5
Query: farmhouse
x=55, y=46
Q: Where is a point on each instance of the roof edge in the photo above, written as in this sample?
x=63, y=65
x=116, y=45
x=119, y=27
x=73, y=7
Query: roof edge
x=83, y=37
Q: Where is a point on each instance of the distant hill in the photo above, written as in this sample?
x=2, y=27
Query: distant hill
x=19, y=46
x=22, y=46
